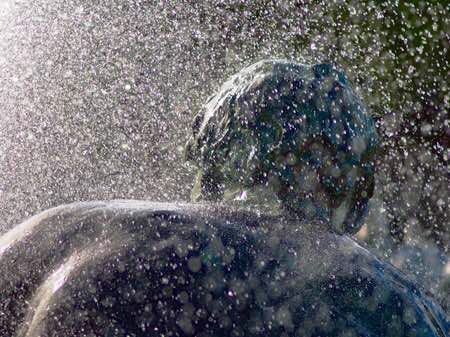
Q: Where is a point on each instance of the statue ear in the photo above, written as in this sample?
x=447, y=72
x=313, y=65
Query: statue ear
x=208, y=185
x=359, y=203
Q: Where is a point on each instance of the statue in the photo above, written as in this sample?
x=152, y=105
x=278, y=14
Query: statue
x=291, y=136
x=285, y=155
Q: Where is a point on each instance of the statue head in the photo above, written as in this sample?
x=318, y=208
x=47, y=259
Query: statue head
x=290, y=134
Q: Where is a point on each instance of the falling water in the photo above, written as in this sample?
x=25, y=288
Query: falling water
x=97, y=98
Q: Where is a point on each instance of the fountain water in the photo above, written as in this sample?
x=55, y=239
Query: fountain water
x=96, y=99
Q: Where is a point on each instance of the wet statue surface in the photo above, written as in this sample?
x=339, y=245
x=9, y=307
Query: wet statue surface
x=285, y=171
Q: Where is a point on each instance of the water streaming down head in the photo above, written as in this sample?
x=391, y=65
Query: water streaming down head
x=288, y=136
